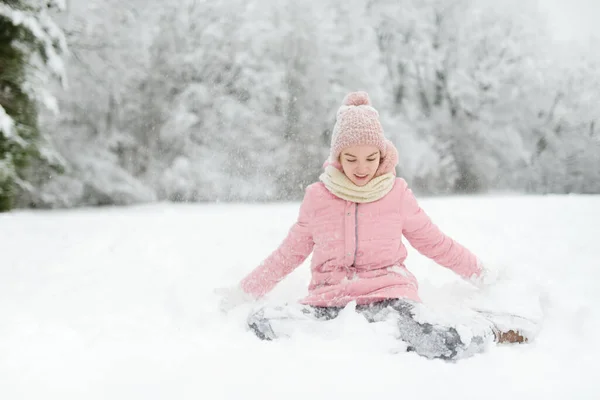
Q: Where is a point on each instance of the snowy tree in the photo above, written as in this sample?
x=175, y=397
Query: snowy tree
x=566, y=138
x=234, y=100
x=242, y=108
x=107, y=41
x=456, y=69
x=31, y=47
x=303, y=98
x=194, y=126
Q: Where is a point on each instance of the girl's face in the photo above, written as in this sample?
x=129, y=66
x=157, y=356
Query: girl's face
x=360, y=163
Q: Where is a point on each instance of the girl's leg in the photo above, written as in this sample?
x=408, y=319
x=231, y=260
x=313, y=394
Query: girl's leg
x=267, y=322
x=426, y=339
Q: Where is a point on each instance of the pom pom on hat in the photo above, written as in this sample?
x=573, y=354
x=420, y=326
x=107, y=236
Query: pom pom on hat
x=357, y=99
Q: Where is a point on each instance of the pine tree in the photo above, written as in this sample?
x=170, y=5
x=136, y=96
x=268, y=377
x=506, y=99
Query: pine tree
x=30, y=50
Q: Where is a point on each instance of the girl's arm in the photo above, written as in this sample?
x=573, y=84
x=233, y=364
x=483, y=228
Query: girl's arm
x=295, y=248
x=430, y=241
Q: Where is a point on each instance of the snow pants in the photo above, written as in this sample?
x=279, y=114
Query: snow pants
x=426, y=339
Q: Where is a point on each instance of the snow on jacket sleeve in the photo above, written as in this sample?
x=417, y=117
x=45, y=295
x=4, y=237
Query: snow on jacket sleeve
x=294, y=249
x=430, y=241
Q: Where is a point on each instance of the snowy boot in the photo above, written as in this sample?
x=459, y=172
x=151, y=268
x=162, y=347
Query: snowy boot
x=510, y=336
x=513, y=309
x=512, y=328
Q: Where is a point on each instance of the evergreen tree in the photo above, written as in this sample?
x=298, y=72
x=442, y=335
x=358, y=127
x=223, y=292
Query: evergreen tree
x=30, y=49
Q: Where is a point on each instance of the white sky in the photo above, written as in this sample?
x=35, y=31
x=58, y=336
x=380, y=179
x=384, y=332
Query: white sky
x=573, y=19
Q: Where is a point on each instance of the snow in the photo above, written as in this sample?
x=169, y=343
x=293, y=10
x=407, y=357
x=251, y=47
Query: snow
x=119, y=303
x=7, y=124
x=44, y=30
x=59, y=4
x=43, y=64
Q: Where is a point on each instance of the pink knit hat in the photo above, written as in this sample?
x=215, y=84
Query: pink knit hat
x=357, y=123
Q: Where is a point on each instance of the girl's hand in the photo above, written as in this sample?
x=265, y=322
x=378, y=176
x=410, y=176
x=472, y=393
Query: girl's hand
x=488, y=276
x=232, y=297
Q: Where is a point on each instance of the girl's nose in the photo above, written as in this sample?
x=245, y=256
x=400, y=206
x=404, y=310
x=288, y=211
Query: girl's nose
x=361, y=169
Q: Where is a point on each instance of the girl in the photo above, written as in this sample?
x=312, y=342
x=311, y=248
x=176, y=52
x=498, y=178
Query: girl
x=353, y=221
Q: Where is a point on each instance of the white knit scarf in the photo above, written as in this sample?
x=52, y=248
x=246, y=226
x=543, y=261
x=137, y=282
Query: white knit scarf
x=338, y=183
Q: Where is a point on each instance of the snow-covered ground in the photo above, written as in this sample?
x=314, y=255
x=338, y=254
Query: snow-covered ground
x=118, y=303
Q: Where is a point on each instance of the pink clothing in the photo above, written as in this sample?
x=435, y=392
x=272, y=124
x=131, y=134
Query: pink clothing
x=358, y=250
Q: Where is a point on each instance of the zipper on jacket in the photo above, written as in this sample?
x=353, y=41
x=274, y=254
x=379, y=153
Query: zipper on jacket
x=355, y=233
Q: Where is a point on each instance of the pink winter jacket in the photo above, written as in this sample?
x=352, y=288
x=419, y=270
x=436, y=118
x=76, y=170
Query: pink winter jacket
x=358, y=250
